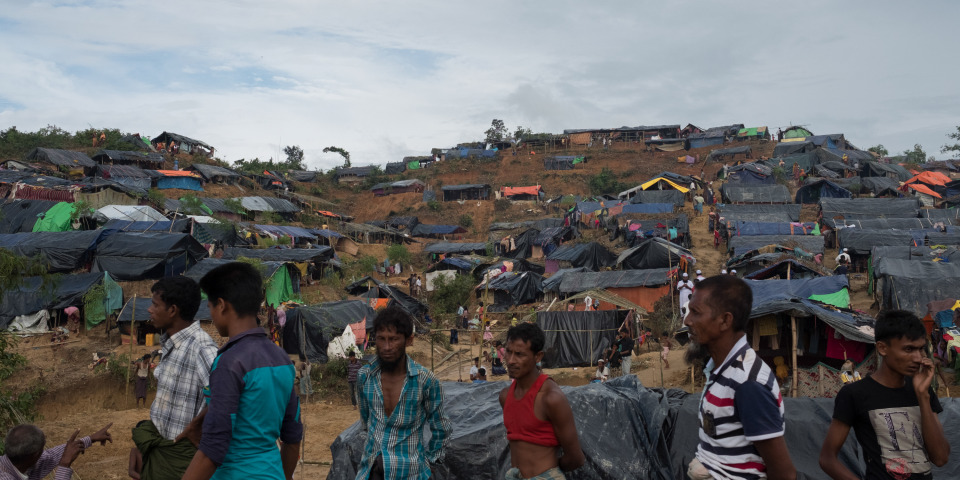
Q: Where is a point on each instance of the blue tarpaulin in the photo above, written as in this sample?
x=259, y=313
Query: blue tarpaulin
x=184, y=183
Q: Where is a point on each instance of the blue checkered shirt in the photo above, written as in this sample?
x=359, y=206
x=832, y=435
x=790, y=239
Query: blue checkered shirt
x=399, y=438
x=183, y=372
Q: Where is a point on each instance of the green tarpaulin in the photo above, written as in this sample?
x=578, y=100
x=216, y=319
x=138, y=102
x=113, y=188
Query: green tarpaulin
x=838, y=299
x=414, y=165
x=280, y=288
x=96, y=312
x=578, y=160
x=57, y=219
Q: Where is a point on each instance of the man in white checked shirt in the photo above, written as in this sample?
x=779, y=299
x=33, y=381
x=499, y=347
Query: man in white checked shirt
x=187, y=352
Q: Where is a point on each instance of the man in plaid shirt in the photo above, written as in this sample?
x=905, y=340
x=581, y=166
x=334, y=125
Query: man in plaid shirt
x=187, y=352
x=397, y=397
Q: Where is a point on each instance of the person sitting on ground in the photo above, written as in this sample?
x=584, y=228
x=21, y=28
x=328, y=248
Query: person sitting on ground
x=481, y=376
x=475, y=369
x=602, y=373
x=536, y=414
x=25, y=458
x=893, y=412
x=353, y=366
x=252, y=402
x=843, y=257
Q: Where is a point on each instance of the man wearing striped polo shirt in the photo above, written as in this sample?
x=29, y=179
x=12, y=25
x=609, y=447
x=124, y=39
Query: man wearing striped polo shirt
x=741, y=411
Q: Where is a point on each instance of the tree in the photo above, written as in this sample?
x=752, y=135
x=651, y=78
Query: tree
x=879, y=149
x=449, y=294
x=398, y=253
x=343, y=153
x=956, y=146
x=497, y=131
x=917, y=155
x=294, y=157
x=520, y=133
x=604, y=182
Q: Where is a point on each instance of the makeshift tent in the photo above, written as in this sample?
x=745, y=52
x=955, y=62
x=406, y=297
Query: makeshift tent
x=309, y=329
x=663, y=183
x=590, y=255
x=812, y=244
x=281, y=280
x=738, y=228
x=674, y=197
x=138, y=311
x=641, y=228
x=137, y=142
x=393, y=168
x=869, y=207
x=912, y=284
x=516, y=246
x=753, y=133
x=128, y=175
x=60, y=158
x=140, y=256
x=713, y=136
x=722, y=154
x=552, y=283
x=655, y=253
x=813, y=192
x=950, y=216
x=654, y=208
x=135, y=213
x=303, y=175
x=299, y=255
x=560, y=162
x=755, y=173
x=859, y=241
x=522, y=193
x=372, y=290
x=61, y=251
x=184, y=144
x=642, y=287
x=578, y=339
x=789, y=213
x=450, y=247
x=465, y=192
x=57, y=219
x=181, y=179
x=881, y=186
x=799, y=297
x=18, y=216
x=795, y=131
x=437, y=231
x=881, y=223
x=509, y=289
x=217, y=174
x=33, y=295
x=400, y=186
x=755, y=194
x=785, y=269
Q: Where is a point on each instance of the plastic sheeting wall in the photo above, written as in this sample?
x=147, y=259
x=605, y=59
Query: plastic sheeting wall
x=578, y=339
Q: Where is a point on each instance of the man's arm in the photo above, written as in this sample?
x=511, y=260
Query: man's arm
x=201, y=467
x=289, y=456
x=560, y=416
x=934, y=441
x=763, y=425
x=777, y=459
x=829, y=453
x=291, y=434
x=439, y=423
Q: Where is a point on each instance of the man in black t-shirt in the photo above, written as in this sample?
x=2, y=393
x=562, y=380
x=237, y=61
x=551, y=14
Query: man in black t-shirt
x=893, y=412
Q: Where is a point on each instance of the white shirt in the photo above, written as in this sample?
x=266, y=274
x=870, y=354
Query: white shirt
x=843, y=256
x=474, y=371
x=685, y=284
x=602, y=374
x=588, y=301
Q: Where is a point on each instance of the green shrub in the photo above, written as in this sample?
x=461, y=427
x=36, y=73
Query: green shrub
x=449, y=294
x=501, y=205
x=466, y=221
x=398, y=253
x=434, y=205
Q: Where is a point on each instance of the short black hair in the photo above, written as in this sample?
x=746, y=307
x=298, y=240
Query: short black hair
x=482, y=371
x=898, y=324
x=528, y=332
x=238, y=284
x=180, y=291
x=395, y=318
x=23, y=441
x=729, y=294
x=351, y=353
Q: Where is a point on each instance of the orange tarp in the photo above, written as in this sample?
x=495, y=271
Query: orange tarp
x=177, y=173
x=931, y=178
x=510, y=191
x=924, y=189
x=328, y=214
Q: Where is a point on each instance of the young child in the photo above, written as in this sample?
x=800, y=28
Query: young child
x=848, y=374
x=251, y=400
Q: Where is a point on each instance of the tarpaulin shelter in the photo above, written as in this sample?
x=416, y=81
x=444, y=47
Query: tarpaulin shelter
x=795, y=131
x=804, y=160
x=437, y=231
x=563, y=162
x=663, y=183
x=140, y=256
x=641, y=227
x=400, y=186
x=61, y=251
x=590, y=255
x=310, y=328
x=812, y=297
x=674, y=197
x=649, y=208
x=303, y=175
x=722, y=154
x=128, y=157
x=182, y=225
x=137, y=310
x=217, y=174
x=178, y=179
x=788, y=212
x=450, y=247
x=128, y=175
x=281, y=280
x=754, y=173
x=755, y=193
x=950, y=215
x=509, y=289
x=372, y=290
x=33, y=295
x=137, y=142
x=881, y=223
x=655, y=253
x=134, y=213
x=522, y=193
x=642, y=287
x=753, y=133
x=517, y=246
x=812, y=244
x=465, y=192
x=740, y=228
x=860, y=242
x=393, y=168
x=869, y=207
x=18, y=216
x=297, y=255
x=813, y=192
x=185, y=144
x=57, y=219
x=713, y=136
x=881, y=186
x=912, y=284
x=296, y=233
x=784, y=269
x=822, y=171
x=61, y=158
x=578, y=339
x=552, y=283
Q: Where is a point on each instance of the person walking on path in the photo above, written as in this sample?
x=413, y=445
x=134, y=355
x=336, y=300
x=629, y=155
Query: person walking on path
x=353, y=367
x=538, y=419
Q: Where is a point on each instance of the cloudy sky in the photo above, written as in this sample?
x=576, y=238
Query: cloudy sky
x=388, y=79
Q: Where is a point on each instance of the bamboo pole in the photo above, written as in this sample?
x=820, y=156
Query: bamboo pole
x=133, y=326
x=793, y=350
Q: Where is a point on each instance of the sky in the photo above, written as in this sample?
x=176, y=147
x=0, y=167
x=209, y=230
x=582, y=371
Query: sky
x=387, y=79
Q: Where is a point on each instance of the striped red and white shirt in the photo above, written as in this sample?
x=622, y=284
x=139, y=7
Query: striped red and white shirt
x=742, y=383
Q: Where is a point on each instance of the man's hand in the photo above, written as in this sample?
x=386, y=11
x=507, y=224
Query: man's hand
x=924, y=377
x=194, y=429
x=102, y=435
x=72, y=450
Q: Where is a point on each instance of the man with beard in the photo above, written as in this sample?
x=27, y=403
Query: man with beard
x=741, y=411
x=536, y=414
x=397, y=398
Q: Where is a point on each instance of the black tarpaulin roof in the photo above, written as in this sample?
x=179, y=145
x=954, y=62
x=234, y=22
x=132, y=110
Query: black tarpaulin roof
x=789, y=212
x=127, y=156
x=309, y=329
x=33, y=296
x=756, y=193
x=654, y=253
x=881, y=185
x=861, y=241
x=881, y=223
x=578, y=339
x=141, y=255
x=809, y=243
x=675, y=197
x=58, y=157
x=468, y=186
x=369, y=287
x=316, y=254
x=912, y=284
x=870, y=207
x=17, y=216
x=63, y=251
x=450, y=247
x=578, y=282
x=167, y=136
x=204, y=266
x=552, y=284
x=590, y=255
x=210, y=171
x=521, y=287
x=729, y=152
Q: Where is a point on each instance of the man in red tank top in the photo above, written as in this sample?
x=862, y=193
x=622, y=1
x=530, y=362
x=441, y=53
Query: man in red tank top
x=538, y=418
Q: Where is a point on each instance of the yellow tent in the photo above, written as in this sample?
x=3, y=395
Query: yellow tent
x=655, y=180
